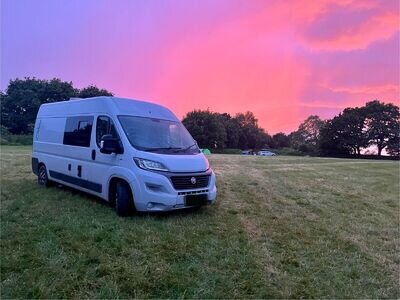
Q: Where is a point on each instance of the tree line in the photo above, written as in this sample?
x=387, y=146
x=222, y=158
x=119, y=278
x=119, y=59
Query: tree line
x=21, y=100
x=375, y=124
x=219, y=131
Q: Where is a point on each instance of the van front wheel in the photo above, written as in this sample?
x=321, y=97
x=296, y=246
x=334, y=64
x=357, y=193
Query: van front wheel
x=123, y=199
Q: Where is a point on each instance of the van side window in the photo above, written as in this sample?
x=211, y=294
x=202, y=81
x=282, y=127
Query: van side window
x=78, y=131
x=104, y=126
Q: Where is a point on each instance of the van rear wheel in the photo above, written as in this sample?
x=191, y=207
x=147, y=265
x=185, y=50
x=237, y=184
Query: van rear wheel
x=123, y=199
x=43, y=179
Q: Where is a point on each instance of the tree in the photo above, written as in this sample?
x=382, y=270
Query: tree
x=382, y=123
x=393, y=146
x=263, y=139
x=354, y=132
x=247, y=119
x=309, y=129
x=350, y=131
x=307, y=135
x=57, y=90
x=23, y=97
x=207, y=128
x=335, y=138
x=328, y=140
x=232, y=128
x=355, y=128
x=215, y=130
x=93, y=91
x=280, y=140
x=251, y=136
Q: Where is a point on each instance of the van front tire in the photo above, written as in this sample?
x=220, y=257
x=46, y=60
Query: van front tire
x=123, y=199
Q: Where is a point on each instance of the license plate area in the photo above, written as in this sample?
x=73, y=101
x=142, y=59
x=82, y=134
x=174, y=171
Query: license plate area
x=192, y=200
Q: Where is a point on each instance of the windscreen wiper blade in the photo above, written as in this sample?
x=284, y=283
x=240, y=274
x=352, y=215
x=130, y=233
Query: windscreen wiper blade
x=161, y=148
x=187, y=148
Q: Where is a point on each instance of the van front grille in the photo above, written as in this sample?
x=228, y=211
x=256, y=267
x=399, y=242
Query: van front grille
x=197, y=192
x=190, y=182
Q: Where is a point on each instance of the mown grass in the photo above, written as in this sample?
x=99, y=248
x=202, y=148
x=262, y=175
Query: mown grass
x=283, y=227
x=16, y=140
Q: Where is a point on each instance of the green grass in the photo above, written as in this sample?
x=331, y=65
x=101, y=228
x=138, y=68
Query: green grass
x=16, y=140
x=282, y=227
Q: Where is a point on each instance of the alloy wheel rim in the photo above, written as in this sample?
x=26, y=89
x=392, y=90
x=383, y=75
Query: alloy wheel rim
x=42, y=176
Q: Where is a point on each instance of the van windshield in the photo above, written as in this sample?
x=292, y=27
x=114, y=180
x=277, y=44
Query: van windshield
x=157, y=135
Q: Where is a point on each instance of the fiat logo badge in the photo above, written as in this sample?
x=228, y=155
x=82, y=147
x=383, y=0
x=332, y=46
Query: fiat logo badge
x=193, y=180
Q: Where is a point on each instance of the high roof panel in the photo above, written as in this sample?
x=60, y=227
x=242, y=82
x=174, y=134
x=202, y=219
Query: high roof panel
x=106, y=105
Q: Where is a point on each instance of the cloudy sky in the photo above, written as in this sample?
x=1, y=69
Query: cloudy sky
x=283, y=60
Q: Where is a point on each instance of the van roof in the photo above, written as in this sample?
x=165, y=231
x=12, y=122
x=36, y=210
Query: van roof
x=105, y=105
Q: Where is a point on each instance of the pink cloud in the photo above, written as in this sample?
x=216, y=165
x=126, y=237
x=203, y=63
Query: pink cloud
x=390, y=89
x=238, y=66
x=360, y=36
x=281, y=60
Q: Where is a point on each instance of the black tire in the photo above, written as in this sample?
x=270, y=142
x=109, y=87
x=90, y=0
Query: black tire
x=43, y=179
x=123, y=199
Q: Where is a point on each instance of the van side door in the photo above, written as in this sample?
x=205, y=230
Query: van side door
x=71, y=164
x=101, y=163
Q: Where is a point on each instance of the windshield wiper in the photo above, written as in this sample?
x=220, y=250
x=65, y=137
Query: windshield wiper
x=161, y=148
x=176, y=149
x=187, y=148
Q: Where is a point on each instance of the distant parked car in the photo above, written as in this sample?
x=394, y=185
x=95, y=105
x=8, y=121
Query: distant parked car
x=247, y=152
x=264, y=152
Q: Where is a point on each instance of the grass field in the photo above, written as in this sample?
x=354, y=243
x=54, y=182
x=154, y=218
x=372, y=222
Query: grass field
x=282, y=227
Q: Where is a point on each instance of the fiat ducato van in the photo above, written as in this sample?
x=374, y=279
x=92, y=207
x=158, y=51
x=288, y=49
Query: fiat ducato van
x=135, y=154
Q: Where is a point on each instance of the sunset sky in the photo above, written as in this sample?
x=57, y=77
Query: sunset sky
x=283, y=60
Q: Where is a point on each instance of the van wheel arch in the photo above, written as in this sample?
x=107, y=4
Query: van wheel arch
x=112, y=189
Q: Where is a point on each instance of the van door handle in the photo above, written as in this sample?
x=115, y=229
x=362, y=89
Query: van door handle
x=79, y=171
x=93, y=154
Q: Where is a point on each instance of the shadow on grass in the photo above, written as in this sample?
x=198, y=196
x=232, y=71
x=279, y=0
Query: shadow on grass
x=196, y=210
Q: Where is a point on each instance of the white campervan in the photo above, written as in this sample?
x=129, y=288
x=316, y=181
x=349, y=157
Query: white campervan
x=135, y=154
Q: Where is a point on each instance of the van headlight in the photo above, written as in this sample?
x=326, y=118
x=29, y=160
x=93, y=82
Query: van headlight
x=147, y=164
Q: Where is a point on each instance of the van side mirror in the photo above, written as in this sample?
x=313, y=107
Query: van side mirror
x=110, y=144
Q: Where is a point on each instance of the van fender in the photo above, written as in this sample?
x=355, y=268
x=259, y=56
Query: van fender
x=35, y=165
x=129, y=176
x=37, y=160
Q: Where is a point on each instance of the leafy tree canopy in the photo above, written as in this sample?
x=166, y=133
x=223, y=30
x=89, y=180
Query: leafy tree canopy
x=376, y=123
x=23, y=97
x=215, y=130
x=382, y=124
x=93, y=91
x=280, y=140
x=307, y=135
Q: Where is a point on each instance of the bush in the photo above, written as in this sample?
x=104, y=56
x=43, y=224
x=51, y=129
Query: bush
x=4, y=131
x=6, y=138
x=288, y=151
x=281, y=151
x=4, y=134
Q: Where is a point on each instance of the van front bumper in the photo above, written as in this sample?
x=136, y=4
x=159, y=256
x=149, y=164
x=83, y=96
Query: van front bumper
x=154, y=191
